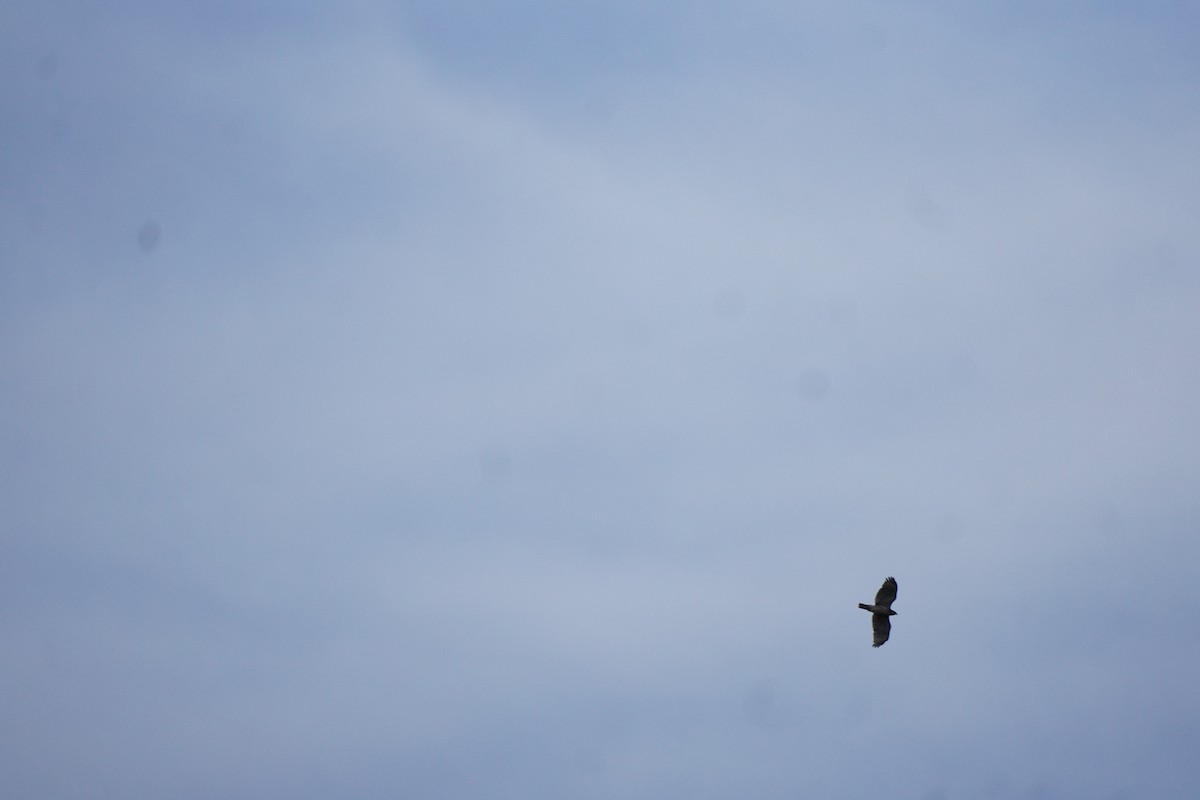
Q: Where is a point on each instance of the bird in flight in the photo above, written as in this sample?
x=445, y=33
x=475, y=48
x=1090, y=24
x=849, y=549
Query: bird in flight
x=881, y=611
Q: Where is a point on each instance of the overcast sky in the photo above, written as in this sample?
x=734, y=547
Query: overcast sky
x=473, y=400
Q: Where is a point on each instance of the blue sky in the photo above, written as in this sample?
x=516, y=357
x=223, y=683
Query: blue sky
x=514, y=400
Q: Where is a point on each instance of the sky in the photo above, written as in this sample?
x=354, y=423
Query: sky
x=460, y=400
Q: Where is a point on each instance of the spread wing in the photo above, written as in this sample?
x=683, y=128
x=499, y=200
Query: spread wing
x=885, y=596
x=882, y=626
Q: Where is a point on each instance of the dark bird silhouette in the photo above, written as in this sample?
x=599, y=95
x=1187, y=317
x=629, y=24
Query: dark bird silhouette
x=882, y=610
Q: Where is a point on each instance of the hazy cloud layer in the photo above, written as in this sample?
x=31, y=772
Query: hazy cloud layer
x=478, y=400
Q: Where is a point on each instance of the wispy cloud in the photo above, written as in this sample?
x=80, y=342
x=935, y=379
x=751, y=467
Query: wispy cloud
x=515, y=401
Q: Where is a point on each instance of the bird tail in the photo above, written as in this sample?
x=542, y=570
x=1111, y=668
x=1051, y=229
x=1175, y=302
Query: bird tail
x=865, y=607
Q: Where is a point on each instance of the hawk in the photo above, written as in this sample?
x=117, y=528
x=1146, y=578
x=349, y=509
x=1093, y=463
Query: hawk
x=882, y=610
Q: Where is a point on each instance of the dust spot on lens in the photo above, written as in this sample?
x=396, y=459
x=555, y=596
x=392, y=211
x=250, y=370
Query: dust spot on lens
x=814, y=384
x=927, y=212
x=495, y=463
x=1110, y=521
x=728, y=304
x=962, y=370
x=950, y=529
x=759, y=702
x=640, y=334
x=589, y=393
x=47, y=67
x=149, y=236
x=843, y=315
